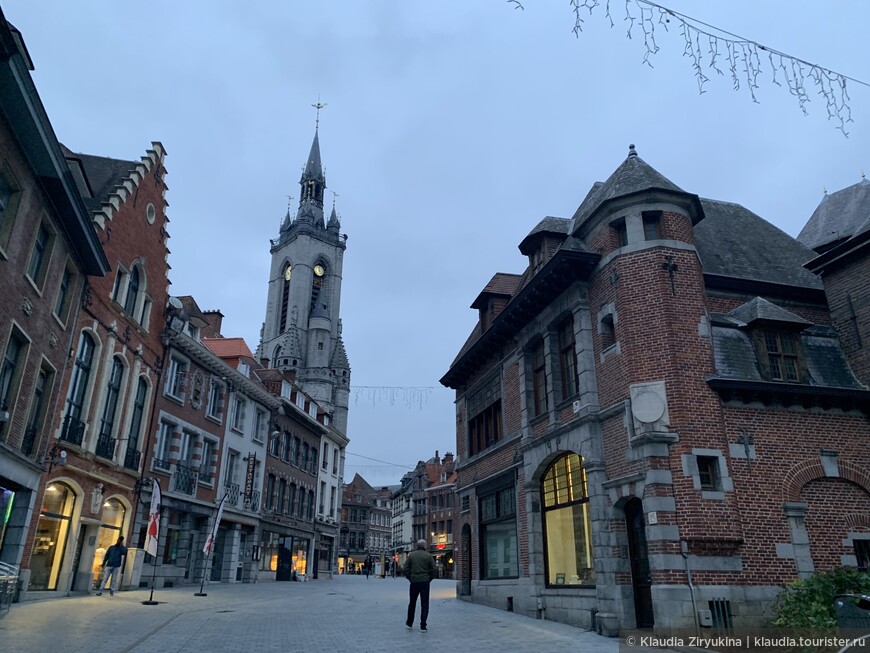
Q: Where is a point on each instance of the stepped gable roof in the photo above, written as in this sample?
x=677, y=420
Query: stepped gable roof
x=732, y=241
x=550, y=225
x=759, y=308
x=838, y=216
x=228, y=347
x=633, y=176
x=501, y=284
x=112, y=181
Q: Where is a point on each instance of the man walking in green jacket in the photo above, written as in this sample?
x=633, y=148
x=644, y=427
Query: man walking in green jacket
x=420, y=570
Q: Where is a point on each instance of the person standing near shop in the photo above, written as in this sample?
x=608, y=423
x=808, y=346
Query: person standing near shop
x=420, y=570
x=112, y=562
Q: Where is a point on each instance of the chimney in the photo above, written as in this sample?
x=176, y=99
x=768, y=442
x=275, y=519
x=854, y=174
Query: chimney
x=437, y=459
x=215, y=320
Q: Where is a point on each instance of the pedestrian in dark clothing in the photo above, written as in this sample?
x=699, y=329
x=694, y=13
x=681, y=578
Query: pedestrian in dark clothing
x=112, y=561
x=420, y=570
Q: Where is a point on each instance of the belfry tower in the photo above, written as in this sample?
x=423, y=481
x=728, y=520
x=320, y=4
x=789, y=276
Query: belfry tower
x=302, y=330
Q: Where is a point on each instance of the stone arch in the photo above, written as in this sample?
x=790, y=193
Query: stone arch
x=809, y=470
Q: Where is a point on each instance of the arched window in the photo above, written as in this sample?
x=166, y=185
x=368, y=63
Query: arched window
x=131, y=458
x=567, y=527
x=276, y=357
x=111, y=526
x=132, y=292
x=52, y=532
x=73, y=425
x=106, y=441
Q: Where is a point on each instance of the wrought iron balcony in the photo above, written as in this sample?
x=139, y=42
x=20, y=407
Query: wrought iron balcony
x=232, y=493
x=253, y=503
x=204, y=476
x=29, y=440
x=184, y=479
x=161, y=464
x=106, y=446
x=132, y=458
x=73, y=430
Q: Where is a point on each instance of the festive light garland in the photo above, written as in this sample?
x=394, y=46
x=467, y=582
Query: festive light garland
x=712, y=49
x=409, y=396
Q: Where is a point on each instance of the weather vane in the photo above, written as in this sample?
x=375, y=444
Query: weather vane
x=318, y=106
x=334, y=195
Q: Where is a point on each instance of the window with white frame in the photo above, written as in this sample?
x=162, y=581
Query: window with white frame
x=164, y=441
x=261, y=421
x=40, y=255
x=64, y=294
x=10, y=375
x=208, y=453
x=176, y=379
x=215, y=400
x=240, y=405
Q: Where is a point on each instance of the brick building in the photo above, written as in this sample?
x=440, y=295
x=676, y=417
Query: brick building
x=656, y=420
x=48, y=249
x=108, y=388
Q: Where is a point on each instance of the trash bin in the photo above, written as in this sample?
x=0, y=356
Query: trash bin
x=853, y=611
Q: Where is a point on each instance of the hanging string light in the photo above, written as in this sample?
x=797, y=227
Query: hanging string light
x=409, y=396
x=714, y=50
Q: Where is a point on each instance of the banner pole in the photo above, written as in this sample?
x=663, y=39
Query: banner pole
x=154, y=513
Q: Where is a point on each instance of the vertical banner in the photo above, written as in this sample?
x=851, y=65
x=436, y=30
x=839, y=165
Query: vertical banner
x=153, y=533
x=249, y=478
x=209, y=543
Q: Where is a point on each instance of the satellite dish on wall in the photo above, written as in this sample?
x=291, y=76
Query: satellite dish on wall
x=175, y=303
x=647, y=407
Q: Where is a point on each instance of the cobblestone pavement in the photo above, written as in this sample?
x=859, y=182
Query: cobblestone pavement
x=345, y=614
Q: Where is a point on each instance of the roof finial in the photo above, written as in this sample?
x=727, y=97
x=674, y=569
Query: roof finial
x=631, y=151
x=318, y=106
x=824, y=190
x=862, y=176
x=289, y=200
x=334, y=195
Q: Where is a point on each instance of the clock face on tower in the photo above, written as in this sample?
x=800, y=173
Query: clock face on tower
x=288, y=273
x=318, y=270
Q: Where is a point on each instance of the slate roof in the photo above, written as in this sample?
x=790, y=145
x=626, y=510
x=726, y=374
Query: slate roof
x=104, y=175
x=732, y=241
x=502, y=284
x=735, y=356
x=838, y=216
x=559, y=227
x=634, y=175
x=761, y=309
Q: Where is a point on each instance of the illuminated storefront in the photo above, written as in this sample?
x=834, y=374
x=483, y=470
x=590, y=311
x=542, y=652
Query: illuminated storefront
x=52, y=533
x=111, y=527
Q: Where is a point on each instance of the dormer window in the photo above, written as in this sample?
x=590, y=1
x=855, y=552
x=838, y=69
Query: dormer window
x=536, y=259
x=782, y=356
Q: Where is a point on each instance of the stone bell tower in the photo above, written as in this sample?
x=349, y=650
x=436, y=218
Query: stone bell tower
x=302, y=330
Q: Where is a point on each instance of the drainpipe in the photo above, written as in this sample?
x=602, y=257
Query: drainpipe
x=684, y=551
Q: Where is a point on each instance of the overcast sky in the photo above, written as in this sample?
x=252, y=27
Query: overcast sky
x=451, y=128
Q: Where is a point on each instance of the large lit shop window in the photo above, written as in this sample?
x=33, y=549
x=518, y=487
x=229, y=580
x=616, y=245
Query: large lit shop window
x=567, y=528
x=111, y=527
x=52, y=532
x=498, y=534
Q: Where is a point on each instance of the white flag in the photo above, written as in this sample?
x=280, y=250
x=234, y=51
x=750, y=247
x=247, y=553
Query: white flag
x=153, y=533
x=209, y=542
